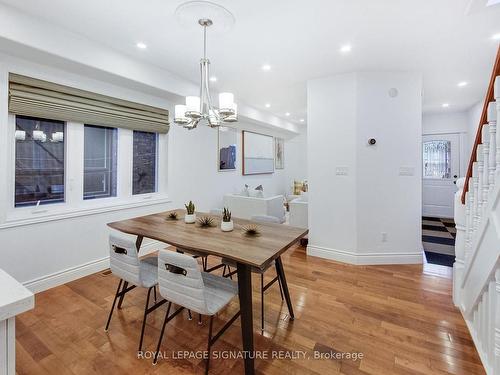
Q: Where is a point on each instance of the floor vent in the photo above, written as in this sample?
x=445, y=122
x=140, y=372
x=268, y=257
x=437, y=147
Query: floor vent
x=106, y=272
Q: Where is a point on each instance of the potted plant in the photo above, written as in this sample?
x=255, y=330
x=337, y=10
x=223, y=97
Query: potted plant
x=226, y=224
x=190, y=217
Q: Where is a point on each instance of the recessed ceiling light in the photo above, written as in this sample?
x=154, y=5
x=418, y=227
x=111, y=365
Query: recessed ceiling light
x=141, y=45
x=268, y=105
x=213, y=79
x=301, y=120
x=462, y=84
x=346, y=48
x=266, y=67
x=495, y=36
x=445, y=105
x=287, y=114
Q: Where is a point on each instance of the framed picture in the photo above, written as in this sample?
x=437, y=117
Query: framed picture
x=279, y=153
x=226, y=149
x=258, y=153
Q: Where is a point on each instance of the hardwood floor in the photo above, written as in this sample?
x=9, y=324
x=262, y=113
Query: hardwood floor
x=401, y=318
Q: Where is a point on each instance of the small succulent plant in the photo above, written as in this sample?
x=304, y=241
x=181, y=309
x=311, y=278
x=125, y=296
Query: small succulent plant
x=206, y=221
x=226, y=215
x=251, y=230
x=172, y=215
x=190, y=208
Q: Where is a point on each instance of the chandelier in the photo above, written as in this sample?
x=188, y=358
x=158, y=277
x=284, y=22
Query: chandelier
x=201, y=108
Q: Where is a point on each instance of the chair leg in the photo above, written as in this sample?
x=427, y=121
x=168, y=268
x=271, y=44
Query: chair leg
x=125, y=286
x=262, y=302
x=199, y=319
x=113, y=306
x=229, y=270
x=224, y=271
x=190, y=317
x=281, y=289
x=154, y=293
x=144, y=319
x=209, y=347
x=155, y=359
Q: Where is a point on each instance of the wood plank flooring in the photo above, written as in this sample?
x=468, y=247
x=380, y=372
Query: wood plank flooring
x=401, y=318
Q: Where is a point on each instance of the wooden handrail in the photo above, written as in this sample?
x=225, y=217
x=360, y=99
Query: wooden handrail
x=484, y=118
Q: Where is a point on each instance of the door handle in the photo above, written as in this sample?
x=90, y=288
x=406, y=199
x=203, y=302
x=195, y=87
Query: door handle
x=455, y=176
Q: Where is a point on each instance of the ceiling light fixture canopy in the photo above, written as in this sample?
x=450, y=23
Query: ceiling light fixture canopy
x=201, y=108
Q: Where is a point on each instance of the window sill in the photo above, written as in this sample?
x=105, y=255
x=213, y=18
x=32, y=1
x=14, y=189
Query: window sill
x=42, y=214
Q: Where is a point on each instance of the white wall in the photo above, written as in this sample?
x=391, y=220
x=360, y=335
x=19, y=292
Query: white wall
x=331, y=143
x=296, y=158
x=473, y=117
x=46, y=253
x=349, y=213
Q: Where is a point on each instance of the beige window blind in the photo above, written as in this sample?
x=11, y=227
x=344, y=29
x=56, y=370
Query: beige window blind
x=38, y=98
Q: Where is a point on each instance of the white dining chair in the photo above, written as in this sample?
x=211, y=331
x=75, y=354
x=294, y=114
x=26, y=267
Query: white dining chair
x=181, y=282
x=125, y=264
x=228, y=263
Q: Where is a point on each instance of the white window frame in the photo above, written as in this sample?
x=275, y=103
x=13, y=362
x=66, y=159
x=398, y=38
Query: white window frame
x=74, y=204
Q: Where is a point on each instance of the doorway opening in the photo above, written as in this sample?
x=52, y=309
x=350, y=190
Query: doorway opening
x=440, y=171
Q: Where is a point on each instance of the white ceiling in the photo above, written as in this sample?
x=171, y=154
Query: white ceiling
x=449, y=41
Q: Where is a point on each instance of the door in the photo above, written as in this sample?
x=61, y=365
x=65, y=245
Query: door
x=440, y=170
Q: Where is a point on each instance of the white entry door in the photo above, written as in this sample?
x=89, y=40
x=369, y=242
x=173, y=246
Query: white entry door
x=440, y=169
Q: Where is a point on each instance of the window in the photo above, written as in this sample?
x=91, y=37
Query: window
x=144, y=163
x=437, y=159
x=39, y=161
x=100, y=155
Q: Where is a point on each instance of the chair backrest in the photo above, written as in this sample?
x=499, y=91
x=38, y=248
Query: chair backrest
x=124, y=260
x=265, y=219
x=180, y=281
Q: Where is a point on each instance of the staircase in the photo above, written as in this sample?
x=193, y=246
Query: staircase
x=476, y=272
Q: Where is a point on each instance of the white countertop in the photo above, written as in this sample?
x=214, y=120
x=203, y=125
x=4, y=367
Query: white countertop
x=15, y=298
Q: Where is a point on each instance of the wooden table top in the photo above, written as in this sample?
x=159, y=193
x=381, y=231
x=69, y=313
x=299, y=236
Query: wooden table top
x=258, y=251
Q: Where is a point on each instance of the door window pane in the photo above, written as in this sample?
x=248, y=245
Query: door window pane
x=144, y=163
x=99, y=179
x=437, y=159
x=39, y=161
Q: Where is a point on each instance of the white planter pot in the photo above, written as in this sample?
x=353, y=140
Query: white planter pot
x=226, y=226
x=190, y=219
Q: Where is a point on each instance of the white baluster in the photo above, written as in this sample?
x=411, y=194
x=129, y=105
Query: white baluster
x=486, y=327
x=480, y=179
x=492, y=165
x=475, y=206
x=468, y=222
x=460, y=218
x=496, y=361
x=491, y=320
x=485, y=137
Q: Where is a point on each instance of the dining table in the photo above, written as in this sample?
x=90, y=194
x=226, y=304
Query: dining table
x=259, y=250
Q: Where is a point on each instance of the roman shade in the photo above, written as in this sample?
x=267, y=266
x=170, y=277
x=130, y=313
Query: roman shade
x=38, y=98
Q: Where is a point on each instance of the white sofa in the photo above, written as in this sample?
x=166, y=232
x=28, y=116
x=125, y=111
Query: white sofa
x=245, y=207
x=298, y=212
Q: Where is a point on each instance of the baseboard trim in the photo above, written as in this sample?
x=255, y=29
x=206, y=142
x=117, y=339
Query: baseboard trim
x=73, y=273
x=364, y=258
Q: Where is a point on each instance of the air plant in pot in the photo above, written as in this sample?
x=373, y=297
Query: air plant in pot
x=226, y=224
x=190, y=217
x=172, y=216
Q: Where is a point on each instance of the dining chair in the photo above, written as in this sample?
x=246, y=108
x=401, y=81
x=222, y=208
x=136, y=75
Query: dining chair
x=228, y=263
x=125, y=263
x=181, y=282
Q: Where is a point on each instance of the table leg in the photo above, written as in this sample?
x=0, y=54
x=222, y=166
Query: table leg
x=245, y=294
x=281, y=274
